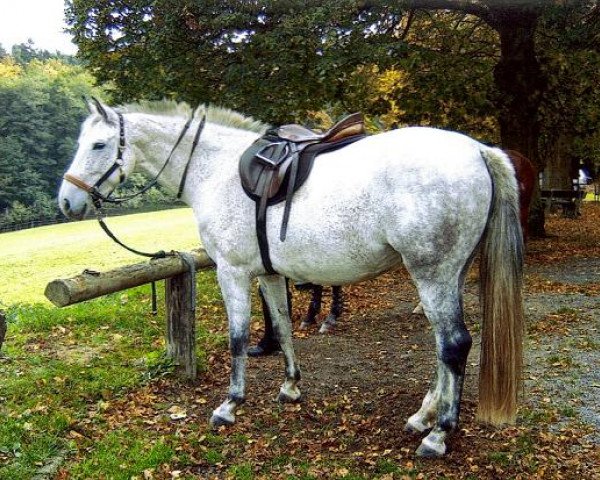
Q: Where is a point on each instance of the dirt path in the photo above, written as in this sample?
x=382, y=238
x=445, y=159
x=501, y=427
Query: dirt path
x=564, y=343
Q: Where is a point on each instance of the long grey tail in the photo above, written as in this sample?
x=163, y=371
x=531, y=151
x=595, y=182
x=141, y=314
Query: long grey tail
x=501, y=272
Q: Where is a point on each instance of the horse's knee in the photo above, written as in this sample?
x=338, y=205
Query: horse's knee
x=238, y=343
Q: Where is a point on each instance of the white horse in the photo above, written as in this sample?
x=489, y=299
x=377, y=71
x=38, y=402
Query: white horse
x=421, y=196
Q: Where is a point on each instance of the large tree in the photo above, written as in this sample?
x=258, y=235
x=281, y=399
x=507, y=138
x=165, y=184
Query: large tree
x=277, y=59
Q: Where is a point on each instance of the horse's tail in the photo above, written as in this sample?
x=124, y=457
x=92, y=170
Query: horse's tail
x=501, y=271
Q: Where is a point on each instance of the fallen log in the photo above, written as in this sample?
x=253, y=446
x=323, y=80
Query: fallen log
x=89, y=284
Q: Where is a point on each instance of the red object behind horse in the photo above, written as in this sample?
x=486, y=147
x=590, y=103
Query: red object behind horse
x=526, y=177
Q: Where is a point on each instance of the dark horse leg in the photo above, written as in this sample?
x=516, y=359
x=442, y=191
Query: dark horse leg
x=268, y=344
x=337, y=305
x=314, y=307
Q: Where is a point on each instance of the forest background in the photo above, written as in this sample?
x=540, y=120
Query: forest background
x=520, y=74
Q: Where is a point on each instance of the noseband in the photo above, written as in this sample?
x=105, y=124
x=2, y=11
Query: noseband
x=94, y=190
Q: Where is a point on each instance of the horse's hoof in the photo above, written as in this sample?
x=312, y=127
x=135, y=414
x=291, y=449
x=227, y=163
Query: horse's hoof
x=219, y=420
x=430, y=450
x=287, y=398
x=305, y=325
x=415, y=426
x=326, y=328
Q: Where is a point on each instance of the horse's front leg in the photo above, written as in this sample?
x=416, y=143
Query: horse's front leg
x=235, y=288
x=275, y=291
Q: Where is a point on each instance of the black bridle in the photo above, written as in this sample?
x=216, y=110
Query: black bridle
x=98, y=199
x=94, y=190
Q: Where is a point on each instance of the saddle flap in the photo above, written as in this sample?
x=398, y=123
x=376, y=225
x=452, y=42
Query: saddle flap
x=263, y=167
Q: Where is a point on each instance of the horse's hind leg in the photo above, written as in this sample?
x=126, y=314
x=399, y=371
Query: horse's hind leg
x=337, y=305
x=441, y=407
x=314, y=307
x=275, y=293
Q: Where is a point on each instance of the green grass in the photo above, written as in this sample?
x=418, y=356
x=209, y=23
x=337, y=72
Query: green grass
x=62, y=364
x=58, y=365
x=32, y=258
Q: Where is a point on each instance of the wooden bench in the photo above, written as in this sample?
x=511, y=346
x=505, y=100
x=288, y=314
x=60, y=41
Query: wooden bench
x=569, y=201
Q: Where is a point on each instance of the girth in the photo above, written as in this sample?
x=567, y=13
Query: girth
x=278, y=164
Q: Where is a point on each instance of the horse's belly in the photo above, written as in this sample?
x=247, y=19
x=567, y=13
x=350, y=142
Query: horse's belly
x=328, y=264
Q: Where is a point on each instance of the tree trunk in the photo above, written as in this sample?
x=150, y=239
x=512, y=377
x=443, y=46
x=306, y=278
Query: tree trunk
x=520, y=83
x=560, y=171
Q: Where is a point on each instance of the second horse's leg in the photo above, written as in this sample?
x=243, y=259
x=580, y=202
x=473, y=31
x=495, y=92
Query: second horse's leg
x=274, y=288
x=337, y=305
x=314, y=308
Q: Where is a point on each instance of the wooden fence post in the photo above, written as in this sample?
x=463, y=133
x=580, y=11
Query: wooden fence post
x=179, y=290
x=181, y=324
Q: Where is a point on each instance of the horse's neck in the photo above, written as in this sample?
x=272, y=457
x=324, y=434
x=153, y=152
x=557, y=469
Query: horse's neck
x=217, y=152
x=152, y=137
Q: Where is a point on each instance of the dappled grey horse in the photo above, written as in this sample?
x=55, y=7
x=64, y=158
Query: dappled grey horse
x=424, y=197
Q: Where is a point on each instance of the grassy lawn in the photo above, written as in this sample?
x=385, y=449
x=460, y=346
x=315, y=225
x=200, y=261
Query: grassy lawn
x=31, y=258
x=60, y=367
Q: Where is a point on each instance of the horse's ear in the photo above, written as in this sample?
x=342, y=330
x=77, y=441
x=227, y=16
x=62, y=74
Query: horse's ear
x=87, y=102
x=106, y=112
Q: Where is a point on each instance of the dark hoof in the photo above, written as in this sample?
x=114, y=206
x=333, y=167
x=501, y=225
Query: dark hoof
x=260, y=351
x=306, y=324
x=284, y=398
x=412, y=430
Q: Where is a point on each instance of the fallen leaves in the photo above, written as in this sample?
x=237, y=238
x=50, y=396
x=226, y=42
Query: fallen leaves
x=350, y=423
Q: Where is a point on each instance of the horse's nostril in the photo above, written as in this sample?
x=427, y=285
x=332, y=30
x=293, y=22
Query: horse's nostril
x=66, y=204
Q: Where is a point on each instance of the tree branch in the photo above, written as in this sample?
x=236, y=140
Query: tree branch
x=478, y=9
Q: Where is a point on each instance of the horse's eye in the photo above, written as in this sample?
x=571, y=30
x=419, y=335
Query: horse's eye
x=99, y=146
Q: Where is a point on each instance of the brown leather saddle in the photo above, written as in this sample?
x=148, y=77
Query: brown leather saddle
x=278, y=164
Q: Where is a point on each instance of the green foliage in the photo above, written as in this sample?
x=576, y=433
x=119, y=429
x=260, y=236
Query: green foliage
x=279, y=59
x=40, y=115
x=571, y=105
x=274, y=60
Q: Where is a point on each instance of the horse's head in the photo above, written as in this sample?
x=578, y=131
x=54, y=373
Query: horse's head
x=101, y=163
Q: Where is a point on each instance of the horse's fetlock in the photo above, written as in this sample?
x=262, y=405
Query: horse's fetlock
x=236, y=399
x=448, y=423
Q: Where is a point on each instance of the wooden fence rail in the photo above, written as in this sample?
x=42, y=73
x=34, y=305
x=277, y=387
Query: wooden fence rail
x=180, y=312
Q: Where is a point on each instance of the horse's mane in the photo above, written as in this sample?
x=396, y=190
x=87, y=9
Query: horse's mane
x=222, y=116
